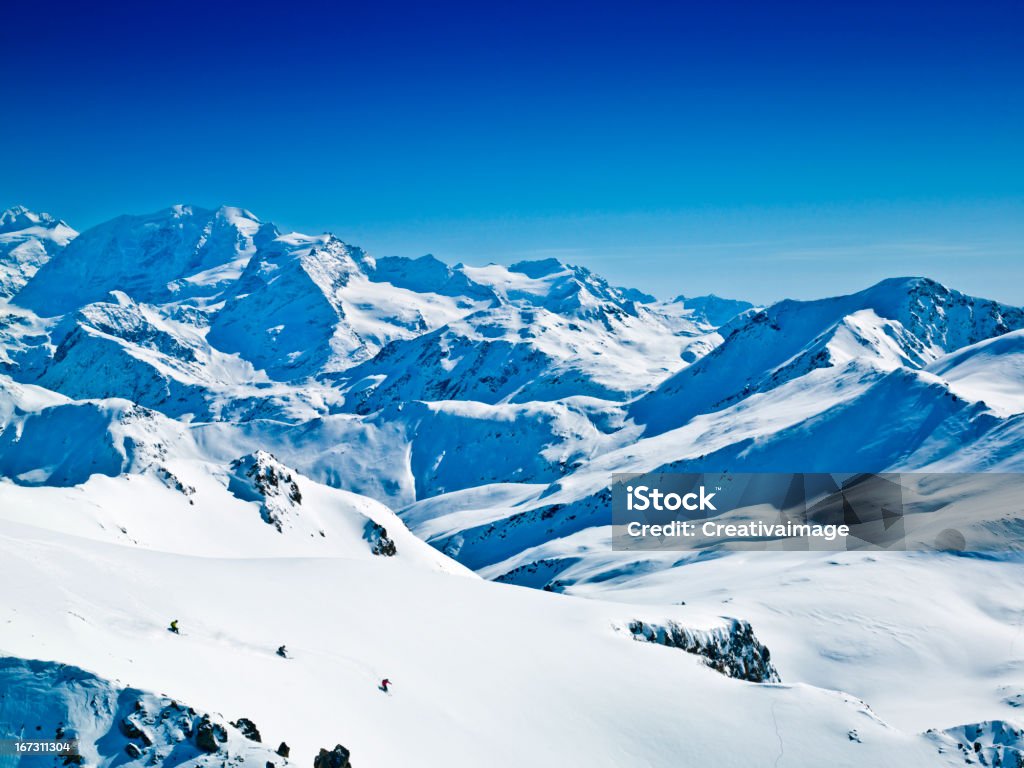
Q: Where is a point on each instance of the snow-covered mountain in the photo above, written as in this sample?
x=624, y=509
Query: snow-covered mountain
x=899, y=323
x=179, y=253
x=27, y=241
x=710, y=309
x=279, y=438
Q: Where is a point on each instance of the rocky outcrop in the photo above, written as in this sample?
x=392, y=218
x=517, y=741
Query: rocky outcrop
x=380, y=543
x=335, y=758
x=732, y=650
x=210, y=735
x=248, y=729
x=173, y=482
x=262, y=478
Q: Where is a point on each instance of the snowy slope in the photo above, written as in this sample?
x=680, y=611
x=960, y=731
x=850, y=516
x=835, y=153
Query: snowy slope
x=540, y=441
x=554, y=676
x=858, y=418
x=991, y=371
x=929, y=640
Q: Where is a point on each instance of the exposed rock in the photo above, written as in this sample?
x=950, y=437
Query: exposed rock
x=210, y=735
x=248, y=729
x=172, y=481
x=335, y=758
x=133, y=751
x=734, y=650
x=261, y=478
x=284, y=750
x=130, y=728
x=380, y=543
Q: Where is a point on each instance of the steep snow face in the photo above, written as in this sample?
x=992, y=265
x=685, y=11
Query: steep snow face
x=20, y=219
x=991, y=371
x=172, y=254
x=121, y=348
x=900, y=322
x=482, y=358
x=994, y=742
x=284, y=315
x=539, y=442
x=27, y=241
x=420, y=449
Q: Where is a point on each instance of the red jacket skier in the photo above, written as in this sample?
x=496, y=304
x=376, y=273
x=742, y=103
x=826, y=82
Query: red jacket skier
x=384, y=684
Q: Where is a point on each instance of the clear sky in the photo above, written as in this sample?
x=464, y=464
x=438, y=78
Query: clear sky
x=757, y=150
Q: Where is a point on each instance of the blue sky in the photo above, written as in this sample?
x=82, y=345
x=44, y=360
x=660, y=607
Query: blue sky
x=757, y=150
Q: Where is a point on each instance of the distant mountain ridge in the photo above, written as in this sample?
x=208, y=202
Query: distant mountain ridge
x=411, y=380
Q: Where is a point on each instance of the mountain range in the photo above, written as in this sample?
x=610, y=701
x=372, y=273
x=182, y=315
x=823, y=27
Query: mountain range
x=202, y=414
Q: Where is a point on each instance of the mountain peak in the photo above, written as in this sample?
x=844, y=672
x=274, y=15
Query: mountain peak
x=239, y=217
x=28, y=240
x=538, y=268
x=909, y=283
x=18, y=217
x=184, y=211
x=182, y=250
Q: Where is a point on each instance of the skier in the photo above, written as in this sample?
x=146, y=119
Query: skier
x=282, y=652
x=174, y=627
x=384, y=685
